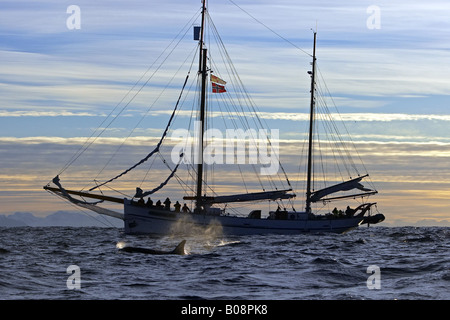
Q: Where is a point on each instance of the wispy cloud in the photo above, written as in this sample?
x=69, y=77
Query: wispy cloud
x=35, y=113
x=395, y=168
x=295, y=116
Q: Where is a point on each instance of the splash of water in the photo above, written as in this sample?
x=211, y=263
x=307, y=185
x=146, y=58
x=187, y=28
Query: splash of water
x=226, y=243
x=121, y=245
x=187, y=226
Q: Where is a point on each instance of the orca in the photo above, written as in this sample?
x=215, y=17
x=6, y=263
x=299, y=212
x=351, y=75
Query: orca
x=178, y=250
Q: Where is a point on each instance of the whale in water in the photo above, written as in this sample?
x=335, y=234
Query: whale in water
x=178, y=250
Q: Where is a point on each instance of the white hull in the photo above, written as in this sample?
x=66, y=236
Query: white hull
x=143, y=220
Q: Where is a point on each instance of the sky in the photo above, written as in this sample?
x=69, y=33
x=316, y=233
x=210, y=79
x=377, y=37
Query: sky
x=385, y=63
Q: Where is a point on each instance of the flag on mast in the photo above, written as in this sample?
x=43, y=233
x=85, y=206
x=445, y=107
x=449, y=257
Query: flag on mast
x=218, y=85
x=217, y=88
x=215, y=79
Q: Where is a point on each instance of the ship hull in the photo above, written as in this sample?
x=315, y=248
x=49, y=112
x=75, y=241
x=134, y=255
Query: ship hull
x=143, y=220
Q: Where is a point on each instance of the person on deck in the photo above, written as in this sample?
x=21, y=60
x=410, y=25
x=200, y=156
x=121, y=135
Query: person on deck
x=349, y=212
x=185, y=208
x=335, y=212
x=177, y=206
x=167, y=204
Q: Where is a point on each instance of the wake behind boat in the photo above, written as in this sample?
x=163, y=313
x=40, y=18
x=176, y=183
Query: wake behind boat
x=209, y=210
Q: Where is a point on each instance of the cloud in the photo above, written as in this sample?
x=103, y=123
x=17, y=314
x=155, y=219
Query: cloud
x=94, y=67
x=383, y=117
x=407, y=175
x=114, y=141
x=36, y=113
x=373, y=71
x=296, y=116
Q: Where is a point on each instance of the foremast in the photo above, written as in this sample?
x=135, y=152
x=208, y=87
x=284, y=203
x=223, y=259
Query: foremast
x=202, y=71
x=311, y=130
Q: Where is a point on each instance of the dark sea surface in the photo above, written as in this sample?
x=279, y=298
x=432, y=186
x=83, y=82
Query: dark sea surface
x=413, y=263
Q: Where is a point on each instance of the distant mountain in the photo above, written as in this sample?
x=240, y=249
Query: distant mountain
x=11, y=222
x=59, y=218
x=432, y=223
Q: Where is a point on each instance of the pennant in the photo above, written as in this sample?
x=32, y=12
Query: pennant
x=215, y=79
x=217, y=88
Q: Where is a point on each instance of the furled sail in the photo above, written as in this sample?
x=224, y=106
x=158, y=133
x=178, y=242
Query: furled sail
x=66, y=195
x=344, y=186
x=60, y=191
x=266, y=195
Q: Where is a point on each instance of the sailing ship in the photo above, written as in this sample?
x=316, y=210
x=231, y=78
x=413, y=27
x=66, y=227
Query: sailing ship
x=209, y=209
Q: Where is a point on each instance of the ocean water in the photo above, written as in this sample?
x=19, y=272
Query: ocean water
x=404, y=263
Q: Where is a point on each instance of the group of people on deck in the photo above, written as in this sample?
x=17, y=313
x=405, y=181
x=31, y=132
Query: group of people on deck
x=349, y=212
x=166, y=206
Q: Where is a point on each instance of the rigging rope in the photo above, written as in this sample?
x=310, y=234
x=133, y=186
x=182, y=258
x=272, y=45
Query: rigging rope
x=242, y=95
x=154, y=150
x=270, y=29
x=100, y=129
x=141, y=194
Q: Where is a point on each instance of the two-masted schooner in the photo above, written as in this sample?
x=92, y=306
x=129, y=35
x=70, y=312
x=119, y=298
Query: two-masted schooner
x=209, y=209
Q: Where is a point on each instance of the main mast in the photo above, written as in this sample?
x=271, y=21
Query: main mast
x=311, y=130
x=203, y=72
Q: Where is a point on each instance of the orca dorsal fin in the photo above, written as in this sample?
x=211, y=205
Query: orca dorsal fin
x=180, y=248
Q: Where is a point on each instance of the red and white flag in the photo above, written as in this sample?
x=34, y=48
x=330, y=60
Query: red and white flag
x=217, y=88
